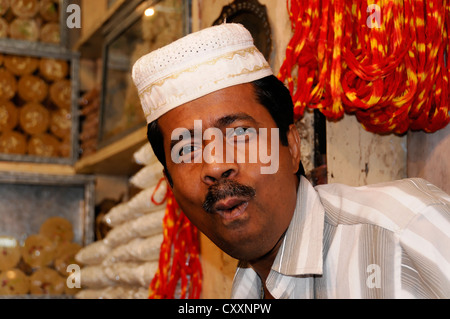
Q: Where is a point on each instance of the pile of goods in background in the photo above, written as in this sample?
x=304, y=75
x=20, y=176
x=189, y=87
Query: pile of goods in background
x=38, y=266
x=123, y=263
x=35, y=106
x=90, y=113
x=30, y=20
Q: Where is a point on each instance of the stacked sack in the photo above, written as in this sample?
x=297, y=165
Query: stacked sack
x=123, y=264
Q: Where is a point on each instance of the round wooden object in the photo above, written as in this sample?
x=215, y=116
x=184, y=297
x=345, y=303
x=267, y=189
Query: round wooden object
x=32, y=88
x=9, y=116
x=25, y=8
x=24, y=29
x=53, y=69
x=38, y=251
x=14, y=282
x=61, y=94
x=61, y=123
x=49, y=10
x=13, y=143
x=34, y=118
x=57, y=229
x=50, y=33
x=8, y=85
x=45, y=145
x=65, y=148
x=65, y=256
x=9, y=252
x=21, y=65
x=46, y=281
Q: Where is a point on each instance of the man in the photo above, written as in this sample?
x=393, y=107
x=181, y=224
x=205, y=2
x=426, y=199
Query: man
x=214, y=87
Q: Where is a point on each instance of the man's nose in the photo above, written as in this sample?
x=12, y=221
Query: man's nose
x=212, y=172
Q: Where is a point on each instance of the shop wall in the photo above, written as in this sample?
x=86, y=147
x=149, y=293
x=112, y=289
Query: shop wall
x=428, y=157
x=357, y=157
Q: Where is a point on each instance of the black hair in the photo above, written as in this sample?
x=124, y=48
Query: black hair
x=270, y=93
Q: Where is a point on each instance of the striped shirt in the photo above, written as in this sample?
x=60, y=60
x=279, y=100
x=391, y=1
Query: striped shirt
x=388, y=240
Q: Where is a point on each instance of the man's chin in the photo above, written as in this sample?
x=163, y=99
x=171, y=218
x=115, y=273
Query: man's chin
x=245, y=252
x=245, y=256
x=252, y=248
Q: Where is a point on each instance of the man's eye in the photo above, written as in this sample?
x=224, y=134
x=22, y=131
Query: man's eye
x=187, y=149
x=240, y=131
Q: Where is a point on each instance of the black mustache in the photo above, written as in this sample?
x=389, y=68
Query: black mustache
x=223, y=189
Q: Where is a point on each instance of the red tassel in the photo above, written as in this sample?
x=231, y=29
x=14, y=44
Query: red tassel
x=179, y=261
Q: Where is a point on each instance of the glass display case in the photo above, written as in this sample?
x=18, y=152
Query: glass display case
x=38, y=83
x=37, y=21
x=149, y=26
x=45, y=221
x=38, y=103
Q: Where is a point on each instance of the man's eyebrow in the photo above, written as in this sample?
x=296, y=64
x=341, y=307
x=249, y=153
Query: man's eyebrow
x=222, y=123
x=175, y=142
x=230, y=119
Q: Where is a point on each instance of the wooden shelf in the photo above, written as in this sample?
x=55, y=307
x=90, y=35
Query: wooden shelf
x=116, y=158
x=25, y=167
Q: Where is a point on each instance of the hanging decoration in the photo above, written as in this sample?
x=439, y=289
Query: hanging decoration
x=179, y=275
x=385, y=61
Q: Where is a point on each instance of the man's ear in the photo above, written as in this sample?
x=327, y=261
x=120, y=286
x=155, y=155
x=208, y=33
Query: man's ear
x=168, y=178
x=294, y=142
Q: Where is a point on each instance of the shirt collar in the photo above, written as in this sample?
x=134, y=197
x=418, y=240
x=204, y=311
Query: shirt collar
x=300, y=252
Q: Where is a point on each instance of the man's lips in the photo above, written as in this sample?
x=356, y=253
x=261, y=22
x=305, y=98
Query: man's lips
x=231, y=208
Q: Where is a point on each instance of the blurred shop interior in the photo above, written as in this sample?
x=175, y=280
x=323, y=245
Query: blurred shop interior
x=79, y=184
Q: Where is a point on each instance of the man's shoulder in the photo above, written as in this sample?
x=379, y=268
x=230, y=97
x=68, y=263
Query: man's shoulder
x=391, y=205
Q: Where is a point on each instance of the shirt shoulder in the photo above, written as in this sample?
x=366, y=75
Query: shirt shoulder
x=391, y=205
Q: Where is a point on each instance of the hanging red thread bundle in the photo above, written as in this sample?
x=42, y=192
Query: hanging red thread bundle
x=393, y=74
x=179, y=261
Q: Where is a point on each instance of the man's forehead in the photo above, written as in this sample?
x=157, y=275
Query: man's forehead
x=216, y=109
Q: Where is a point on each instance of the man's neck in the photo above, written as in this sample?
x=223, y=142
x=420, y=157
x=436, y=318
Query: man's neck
x=263, y=265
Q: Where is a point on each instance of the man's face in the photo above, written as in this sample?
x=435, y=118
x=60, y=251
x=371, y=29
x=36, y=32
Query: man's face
x=241, y=210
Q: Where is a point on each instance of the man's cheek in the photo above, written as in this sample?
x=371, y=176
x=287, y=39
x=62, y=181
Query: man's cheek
x=188, y=200
x=198, y=217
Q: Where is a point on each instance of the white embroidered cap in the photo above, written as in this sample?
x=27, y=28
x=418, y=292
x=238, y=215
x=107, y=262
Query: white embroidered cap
x=196, y=65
